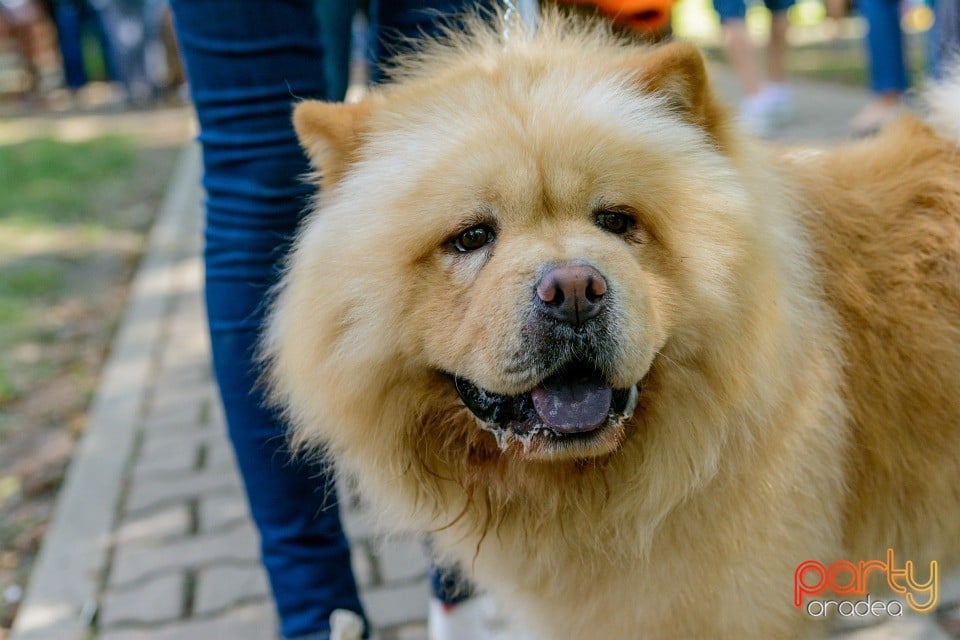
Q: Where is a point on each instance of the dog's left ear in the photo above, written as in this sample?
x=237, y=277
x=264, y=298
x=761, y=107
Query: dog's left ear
x=677, y=72
x=330, y=134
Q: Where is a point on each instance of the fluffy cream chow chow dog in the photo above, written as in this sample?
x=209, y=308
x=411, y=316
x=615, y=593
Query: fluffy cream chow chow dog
x=627, y=366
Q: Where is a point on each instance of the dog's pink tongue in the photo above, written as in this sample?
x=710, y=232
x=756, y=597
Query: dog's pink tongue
x=573, y=406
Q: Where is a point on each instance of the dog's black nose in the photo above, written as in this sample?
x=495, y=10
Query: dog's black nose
x=572, y=294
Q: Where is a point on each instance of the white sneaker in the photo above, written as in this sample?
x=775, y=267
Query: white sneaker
x=763, y=112
x=345, y=625
x=779, y=104
x=475, y=618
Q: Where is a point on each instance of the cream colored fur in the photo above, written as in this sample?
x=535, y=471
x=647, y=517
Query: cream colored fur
x=796, y=325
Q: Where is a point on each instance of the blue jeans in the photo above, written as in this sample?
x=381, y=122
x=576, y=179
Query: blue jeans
x=71, y=18
x=336, y=22
x=885, y=45
x=247, y=62
x=737, y=9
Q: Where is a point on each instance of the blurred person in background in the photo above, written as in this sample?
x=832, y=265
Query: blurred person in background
x=766, y=101
x=946, y=44
x=19, y=18
x=73, y=19
x=888, y=69
x=247, y=61
x=135, y=30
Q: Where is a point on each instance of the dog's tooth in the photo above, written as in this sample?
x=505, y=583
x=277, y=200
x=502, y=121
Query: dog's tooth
x=631, y=402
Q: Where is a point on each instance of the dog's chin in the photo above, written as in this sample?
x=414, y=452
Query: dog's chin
x=573, y=414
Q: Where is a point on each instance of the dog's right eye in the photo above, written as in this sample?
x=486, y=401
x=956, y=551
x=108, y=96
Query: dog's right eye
x=614, y=221
x=473, y=238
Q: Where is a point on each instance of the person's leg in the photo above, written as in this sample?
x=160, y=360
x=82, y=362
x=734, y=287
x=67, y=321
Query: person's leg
x=247, y=61
x=778, y=48
x=92, y=15
x=740, y=53
x=737, y=44
x=888, y=72
x=396, y=24
x=754, y=111
x=125, y=27
x=888, y=75
x=774, y=98
x=67, y=18
x=336, y=26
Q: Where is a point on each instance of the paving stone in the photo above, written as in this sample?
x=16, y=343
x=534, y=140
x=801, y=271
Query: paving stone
x=396, y=605
x=185, y=374
x=359, y=524
x=159, y=445
x=166, y=458
x=949, y=619
x=253, y=622
x=166, y=397
x=158, y=599
x=222, y=587
x=223, y=511
x=134, y=562
x=184, y=418
x=199, y=433
x=401, y=559
x=362, y=563
x=950, y=587
x=215, y=417
x=171, y=522
x=348, y=490
x=909, y=627
x=180, y=352
x=220, y=455
x=415, y=631
x=149, y=492
x=185, y=345
x=188, y=412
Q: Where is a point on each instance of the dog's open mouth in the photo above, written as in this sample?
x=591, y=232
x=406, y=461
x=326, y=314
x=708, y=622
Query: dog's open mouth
x=574, y=406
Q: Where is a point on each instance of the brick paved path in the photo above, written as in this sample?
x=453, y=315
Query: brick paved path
x=184, y=561
x=152, y=538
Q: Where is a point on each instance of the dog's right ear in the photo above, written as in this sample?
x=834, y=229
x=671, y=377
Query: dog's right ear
x=330, y=134
x=677, y=72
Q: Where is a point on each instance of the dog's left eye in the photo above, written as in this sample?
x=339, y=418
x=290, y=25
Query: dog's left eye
x=614, y=221
x=473, y=238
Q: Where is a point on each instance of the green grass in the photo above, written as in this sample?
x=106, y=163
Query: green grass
x=57, y=201
x=32, y=282
x=45, y=182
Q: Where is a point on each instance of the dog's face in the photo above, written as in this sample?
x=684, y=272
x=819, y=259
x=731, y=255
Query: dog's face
x=515, y=243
